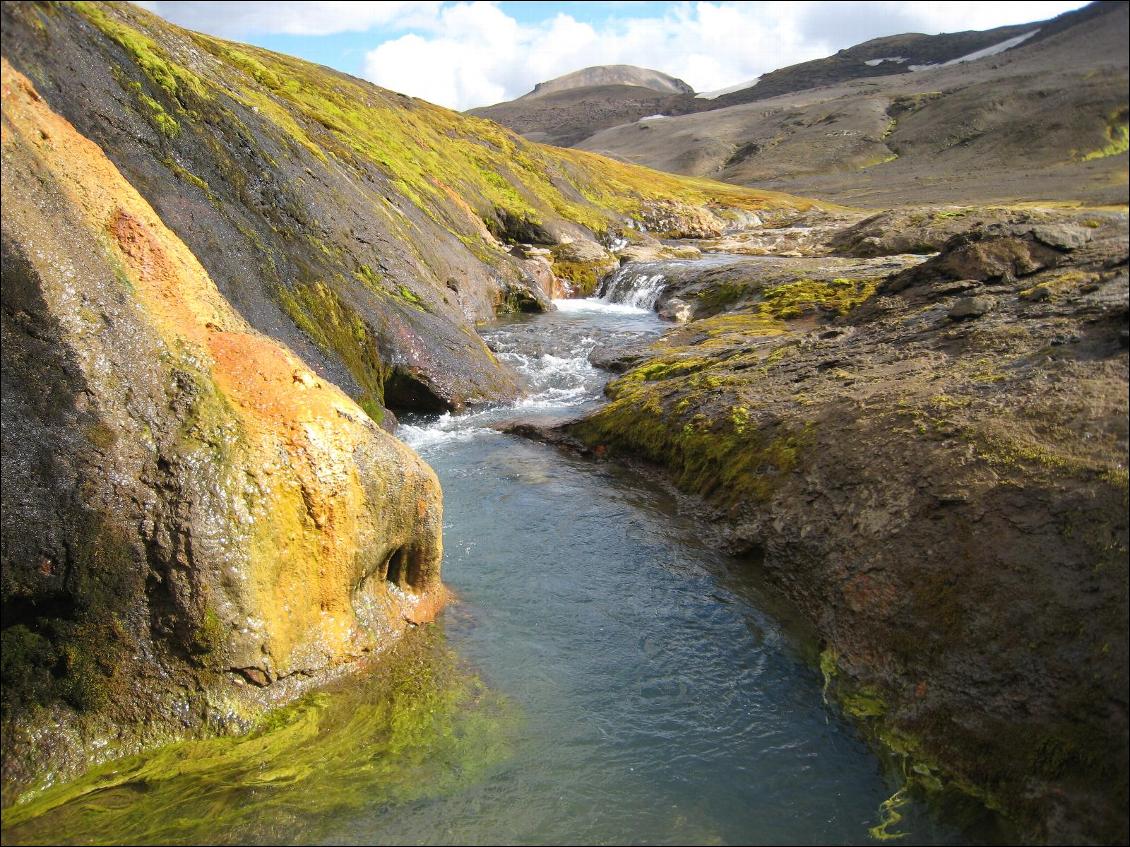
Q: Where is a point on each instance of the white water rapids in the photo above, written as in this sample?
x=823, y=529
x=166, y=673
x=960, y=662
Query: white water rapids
x=629, y=286
x=551, y=354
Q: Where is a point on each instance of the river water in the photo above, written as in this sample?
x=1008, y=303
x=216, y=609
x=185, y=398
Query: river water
x=606, y=676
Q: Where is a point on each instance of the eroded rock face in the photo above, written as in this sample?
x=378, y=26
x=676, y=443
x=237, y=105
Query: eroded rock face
x=934, y=467
x=186, y=504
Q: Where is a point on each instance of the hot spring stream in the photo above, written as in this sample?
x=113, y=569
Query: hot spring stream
x=605, y=676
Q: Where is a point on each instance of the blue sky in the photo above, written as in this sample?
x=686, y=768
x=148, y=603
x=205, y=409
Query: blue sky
x=465, y=54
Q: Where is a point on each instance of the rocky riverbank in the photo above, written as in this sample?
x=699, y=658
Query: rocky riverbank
x=931, y=458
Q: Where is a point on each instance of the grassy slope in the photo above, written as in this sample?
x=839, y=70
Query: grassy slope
x=428, y=151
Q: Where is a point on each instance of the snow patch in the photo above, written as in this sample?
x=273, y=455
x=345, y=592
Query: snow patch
x=898, y=60
x=713, y=95
x=980, y=54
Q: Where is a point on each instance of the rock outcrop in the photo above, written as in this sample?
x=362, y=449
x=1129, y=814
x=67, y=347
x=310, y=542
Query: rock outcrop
x=187, y=505
x=932, y=463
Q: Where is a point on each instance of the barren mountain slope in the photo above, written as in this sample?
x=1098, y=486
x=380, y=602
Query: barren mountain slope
x=1045, y=121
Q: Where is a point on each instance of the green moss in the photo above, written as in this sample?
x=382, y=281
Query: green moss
x=210, y=635
x=334, y=326
x=171, y=77
x=881, y=159
x=416, y=727
x=430, y=155
x=1118, y=135
x=1056, y=286
x=186, y=175
x=719, y=297
x=890, y=816
x=865, y=702
x=948, y=214
x=660, y=370
x=27, y=663
x=370, y=278
x=373, y=409
x=797, y=298
x=583, y=277
x=68, y=648
x=152, y=109
x=166, y=124
x=412, y=297
x=728, y=459
x=786, y=301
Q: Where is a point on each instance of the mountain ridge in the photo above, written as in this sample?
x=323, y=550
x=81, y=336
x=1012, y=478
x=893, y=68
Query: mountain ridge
x=600, y=75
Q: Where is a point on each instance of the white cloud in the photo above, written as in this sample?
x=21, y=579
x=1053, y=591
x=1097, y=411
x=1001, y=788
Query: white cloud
x=468, y=54
x=476, y=54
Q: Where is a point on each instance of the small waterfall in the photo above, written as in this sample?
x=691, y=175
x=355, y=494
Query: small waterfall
x=551, y=353
x=630, y=286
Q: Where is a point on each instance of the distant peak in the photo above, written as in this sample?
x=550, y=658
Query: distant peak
x=613, y=75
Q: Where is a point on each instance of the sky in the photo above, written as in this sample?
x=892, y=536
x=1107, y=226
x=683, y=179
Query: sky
x=467, y=54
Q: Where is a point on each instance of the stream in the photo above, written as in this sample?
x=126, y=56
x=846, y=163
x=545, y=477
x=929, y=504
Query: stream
x=605, y=676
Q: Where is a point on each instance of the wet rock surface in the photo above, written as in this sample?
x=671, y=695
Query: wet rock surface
x=187, y=505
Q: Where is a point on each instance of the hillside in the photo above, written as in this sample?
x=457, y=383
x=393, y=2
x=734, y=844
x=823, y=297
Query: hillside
x=568, y=117
x=567, y=109
x=356, y=173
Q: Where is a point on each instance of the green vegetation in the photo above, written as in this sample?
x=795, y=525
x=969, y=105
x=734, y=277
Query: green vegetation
x=788, y=300
x=428, y=152
x=68, y=651
x=584, y=277
x=889, y=816
x=172, y=78
x=210, y=635
x=165, y=123
x=370, y=278
x=684, y=409
x=794, y=299
x=417, y=726
x=408, y=294
x=152, y=109
x=186, y=175
x=660, y=411
x=333, y=325
x=1117, y=133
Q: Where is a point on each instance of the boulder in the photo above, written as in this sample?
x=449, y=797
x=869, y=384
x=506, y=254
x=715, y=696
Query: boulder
x=972, y=307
